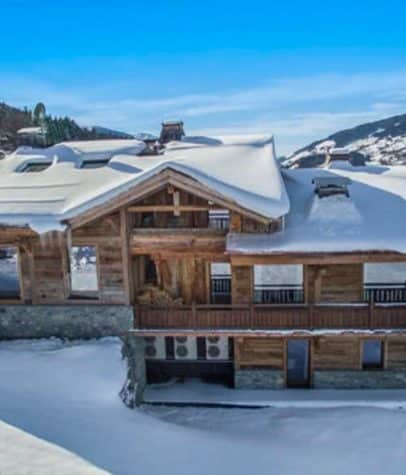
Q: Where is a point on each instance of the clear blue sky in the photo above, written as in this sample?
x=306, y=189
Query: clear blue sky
x=298, y=69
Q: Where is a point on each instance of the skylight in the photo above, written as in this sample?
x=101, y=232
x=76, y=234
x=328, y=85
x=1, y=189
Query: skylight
x=94, y=163
x=34, y=167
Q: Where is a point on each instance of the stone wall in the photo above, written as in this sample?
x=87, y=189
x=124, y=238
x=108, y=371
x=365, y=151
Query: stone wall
x=259, y=379
x=348, y=379
x=64, y=321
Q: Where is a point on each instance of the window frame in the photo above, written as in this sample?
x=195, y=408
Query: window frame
x=366, y=367
x=23, y=167
x=20, y=297
x=78, y=295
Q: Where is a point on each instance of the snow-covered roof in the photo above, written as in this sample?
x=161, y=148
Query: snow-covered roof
x=372, y=218
x=31, y=130
x=242, y=169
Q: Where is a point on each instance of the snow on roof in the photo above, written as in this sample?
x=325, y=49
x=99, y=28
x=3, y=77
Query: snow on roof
x=31, y=130
x=241, y=169
x=372, y=218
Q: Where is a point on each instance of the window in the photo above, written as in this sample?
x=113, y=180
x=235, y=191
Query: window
x=9, y=274
x=34, y=167
x=220, y=283
x=278, y=284
x=385, y=283
x=83, y=272
x=147, y=220
x=94, y=163
x=219, y=219
x=372, y=354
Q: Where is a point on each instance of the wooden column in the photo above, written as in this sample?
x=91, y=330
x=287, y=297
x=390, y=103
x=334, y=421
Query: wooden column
x=125, y=251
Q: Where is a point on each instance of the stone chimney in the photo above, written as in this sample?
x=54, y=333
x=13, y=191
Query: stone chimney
x=171, y=130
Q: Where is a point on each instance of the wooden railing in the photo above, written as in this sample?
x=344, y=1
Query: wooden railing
x=385, y=293
x=272, y=317
x=278, y=294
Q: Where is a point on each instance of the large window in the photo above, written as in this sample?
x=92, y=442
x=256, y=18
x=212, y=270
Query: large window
x=385, y=282
x=278, y=284
x=83, y=271
x=372, y=354
x=9, y=273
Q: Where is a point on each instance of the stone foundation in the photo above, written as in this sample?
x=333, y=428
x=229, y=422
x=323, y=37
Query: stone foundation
x=64, y=321
x=259, y=379
x=132, y=392
x=347, y=379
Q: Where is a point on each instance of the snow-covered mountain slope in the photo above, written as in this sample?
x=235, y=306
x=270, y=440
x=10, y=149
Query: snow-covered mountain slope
x=383, y=141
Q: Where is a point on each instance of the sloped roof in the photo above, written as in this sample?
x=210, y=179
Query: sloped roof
x=372, y=218
x=241, y=169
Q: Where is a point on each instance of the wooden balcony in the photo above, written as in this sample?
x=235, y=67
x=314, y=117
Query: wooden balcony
x=359, y=316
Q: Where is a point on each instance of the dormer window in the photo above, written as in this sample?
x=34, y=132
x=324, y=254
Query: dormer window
x=94, y=163
x=34, y=167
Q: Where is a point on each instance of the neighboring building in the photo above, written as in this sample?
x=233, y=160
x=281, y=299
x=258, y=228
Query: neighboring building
x=32, y=137
x=233, y=269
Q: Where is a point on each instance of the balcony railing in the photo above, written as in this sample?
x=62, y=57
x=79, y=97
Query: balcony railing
x=278, y=294
x=272, y=317
x=220, y=289
x=385, y=293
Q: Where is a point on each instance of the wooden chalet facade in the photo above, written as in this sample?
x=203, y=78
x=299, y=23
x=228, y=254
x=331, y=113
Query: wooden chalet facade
x=162, y=248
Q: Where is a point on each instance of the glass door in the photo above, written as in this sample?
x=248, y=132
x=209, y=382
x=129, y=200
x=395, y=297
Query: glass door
x=298, y=374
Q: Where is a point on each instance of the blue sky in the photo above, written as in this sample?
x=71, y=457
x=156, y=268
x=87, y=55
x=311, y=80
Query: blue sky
x=298, y=69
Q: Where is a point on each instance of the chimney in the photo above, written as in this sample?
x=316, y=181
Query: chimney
x=338, y=155
x=326, y=186
x=171, y=130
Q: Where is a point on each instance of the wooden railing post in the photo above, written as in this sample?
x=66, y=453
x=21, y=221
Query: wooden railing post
x=251, y=315
x=371, y=314
x=310, y=315
x=194, y=315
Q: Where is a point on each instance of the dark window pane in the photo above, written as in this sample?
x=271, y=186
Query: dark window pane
x=372, y=354
x=9, y=276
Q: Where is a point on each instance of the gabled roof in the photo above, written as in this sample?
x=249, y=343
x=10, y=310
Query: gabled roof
x=243, y=170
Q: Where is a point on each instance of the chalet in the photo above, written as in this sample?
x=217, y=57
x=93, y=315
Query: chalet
x=32, y=137
x=212, y=260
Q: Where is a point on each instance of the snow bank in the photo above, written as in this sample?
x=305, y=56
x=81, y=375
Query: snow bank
x=67, y=393
x=22, y=453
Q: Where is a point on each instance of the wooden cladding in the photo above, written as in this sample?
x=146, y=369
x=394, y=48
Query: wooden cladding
x=336, y=353
x=180, y=241
x=242, y=284
x=256, y=352
x=271, y=317
x=334, y=283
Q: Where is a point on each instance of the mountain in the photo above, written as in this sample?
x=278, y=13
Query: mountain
x=110, y=133
x=383, y=141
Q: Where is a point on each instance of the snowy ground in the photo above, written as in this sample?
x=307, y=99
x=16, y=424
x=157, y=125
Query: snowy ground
x=67, y=394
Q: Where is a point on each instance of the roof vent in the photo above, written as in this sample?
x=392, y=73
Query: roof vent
x=331, y=185
x=171, y=130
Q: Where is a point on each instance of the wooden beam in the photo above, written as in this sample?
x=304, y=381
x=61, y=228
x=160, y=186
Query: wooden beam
x=316, y=258
x=169, y=208
x=153, y=184
x=125, y=252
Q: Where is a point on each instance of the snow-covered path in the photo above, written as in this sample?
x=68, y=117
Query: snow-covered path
x=67, y=394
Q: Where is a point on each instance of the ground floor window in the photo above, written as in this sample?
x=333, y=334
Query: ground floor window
x=9, y=273
x=278, y=284
x=83, y=272
x=372, y=354
x=385, y=282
